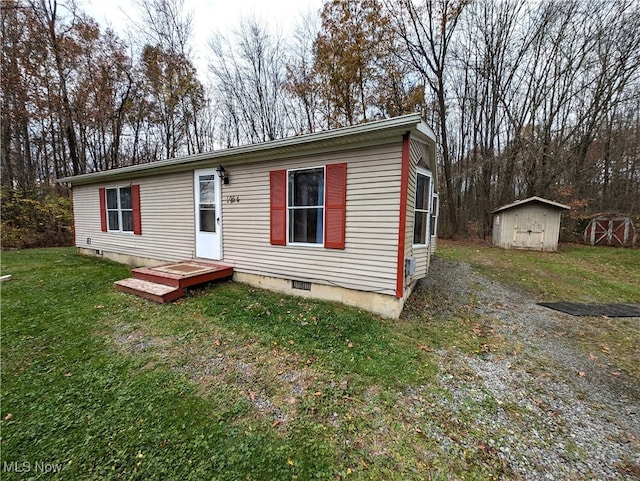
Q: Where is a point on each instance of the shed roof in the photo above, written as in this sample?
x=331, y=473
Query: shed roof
x=371, y=133
x=532, y=199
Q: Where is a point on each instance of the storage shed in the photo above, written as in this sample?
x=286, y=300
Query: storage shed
x=611, y=230
x=348, y=215
x=532, y=224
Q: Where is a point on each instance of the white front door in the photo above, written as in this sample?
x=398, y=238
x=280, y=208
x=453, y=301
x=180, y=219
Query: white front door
x=208, y=214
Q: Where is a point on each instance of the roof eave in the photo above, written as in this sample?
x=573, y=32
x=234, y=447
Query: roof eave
x=532, y=199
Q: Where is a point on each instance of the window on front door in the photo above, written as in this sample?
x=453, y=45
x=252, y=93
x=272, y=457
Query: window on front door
x=207, y=203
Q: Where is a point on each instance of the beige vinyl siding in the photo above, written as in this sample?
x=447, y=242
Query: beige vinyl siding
x=368, y=261
x=166, y=207
x=421, y=253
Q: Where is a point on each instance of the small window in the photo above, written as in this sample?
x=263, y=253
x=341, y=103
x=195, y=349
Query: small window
x=435, y=208
x=305, y=206
x=119, y=209
x=421, y=211
x=207, y=203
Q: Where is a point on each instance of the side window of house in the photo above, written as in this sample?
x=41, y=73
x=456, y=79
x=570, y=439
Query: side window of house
x=435, y=207
x=421, y=210
x=119, y=209
x=305, y=205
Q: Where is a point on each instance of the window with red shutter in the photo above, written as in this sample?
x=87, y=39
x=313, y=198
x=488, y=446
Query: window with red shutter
x=120, y=209
x=335, y=206
x=278, y=203
x=103, y=208
x=312, y=203
x=135, y=203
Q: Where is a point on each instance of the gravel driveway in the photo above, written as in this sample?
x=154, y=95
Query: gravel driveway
x=563, y=414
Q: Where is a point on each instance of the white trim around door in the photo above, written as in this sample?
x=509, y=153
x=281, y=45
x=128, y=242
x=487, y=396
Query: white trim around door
x=208, y=214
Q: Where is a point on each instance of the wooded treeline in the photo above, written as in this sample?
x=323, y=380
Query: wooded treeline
x=526, y=98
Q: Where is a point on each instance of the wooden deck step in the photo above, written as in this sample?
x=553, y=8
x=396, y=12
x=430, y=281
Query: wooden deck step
x=183, y=274
x=159, y=293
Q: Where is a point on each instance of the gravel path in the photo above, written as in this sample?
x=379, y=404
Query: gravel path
x=563, y=414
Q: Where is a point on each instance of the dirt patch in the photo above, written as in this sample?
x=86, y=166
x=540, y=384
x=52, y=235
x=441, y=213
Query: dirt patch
x=272, y=380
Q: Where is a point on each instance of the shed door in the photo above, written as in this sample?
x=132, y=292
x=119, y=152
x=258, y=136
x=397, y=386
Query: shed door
x=528, y=232
x=208, y=214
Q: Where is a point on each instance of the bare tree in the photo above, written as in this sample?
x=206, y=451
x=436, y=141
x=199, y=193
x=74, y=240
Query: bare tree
x=176, y=95
x=428, y=29
x=249, y=69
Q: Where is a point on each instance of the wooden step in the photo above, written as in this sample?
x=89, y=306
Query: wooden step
x=183, y=274
x=159, y=293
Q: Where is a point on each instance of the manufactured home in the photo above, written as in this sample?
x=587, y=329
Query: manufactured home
x=348, y=215
x=532, y=224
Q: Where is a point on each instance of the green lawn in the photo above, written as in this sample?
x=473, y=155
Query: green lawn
x=229, y=383
x=574, y=273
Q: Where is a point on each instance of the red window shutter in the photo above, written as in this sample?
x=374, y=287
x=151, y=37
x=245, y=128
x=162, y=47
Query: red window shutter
x=278, y=188
x=335, y=204
x=103, y=209
x=135, y=202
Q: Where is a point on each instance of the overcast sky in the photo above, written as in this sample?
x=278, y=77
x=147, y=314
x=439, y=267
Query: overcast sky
x=210, y=16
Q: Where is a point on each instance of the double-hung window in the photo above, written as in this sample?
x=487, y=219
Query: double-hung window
x=305, y=206
x=119, y=209
x=308, y=206
x=421, y=228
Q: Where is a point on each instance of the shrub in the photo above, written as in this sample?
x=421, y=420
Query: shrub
x=35, y=219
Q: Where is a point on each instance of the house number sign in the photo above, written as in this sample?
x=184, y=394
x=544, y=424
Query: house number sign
x=232, y=199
